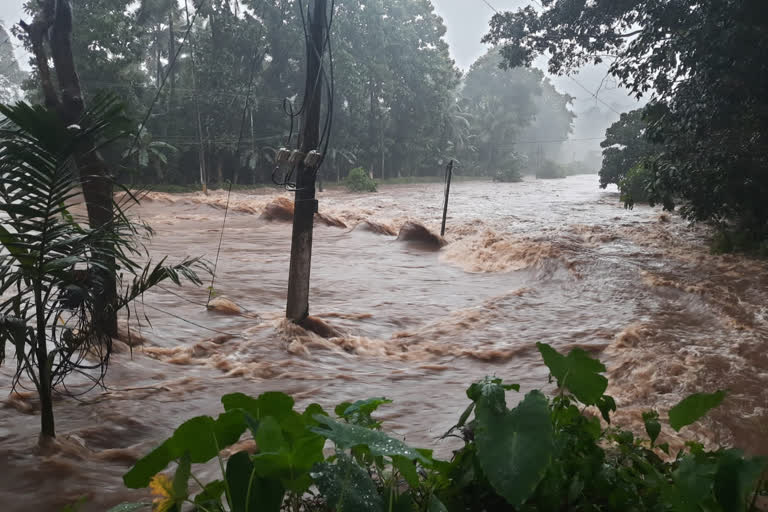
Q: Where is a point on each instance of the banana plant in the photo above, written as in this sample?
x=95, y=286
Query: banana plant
x=149, y=153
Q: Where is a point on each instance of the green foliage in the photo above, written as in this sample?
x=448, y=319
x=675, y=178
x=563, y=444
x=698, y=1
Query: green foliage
x=543, y=454
x=358, y=180
x=694, y=407
x=625, y=149
x=550, y=170
x=704, y=66
x=51, y=263
x=634, y=186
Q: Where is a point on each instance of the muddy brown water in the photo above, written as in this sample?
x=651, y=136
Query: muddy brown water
x=555, y=261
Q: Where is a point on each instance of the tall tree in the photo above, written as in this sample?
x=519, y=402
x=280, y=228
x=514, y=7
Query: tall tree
x=704, y=65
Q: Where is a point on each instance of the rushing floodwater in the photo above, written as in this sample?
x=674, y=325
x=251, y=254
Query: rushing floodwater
x=554, y=261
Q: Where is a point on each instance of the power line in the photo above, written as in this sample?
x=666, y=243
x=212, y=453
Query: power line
x=594, y=95
x=492, y=7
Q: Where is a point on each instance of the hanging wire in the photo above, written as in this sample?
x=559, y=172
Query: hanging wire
x=218, y=250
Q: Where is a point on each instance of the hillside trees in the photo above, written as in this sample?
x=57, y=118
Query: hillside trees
x=703, y=65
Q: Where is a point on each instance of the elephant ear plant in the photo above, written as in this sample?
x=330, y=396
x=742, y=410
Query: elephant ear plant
x=52, y=268
x=544, y=454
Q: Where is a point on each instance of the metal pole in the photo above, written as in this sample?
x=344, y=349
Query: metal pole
x=305, y=205
x=448, y=174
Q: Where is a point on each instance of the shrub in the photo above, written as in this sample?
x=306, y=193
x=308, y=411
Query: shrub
x=550, y=170
x=358, y=180
x=544, y=454
x=634, y=186
x=508, y=175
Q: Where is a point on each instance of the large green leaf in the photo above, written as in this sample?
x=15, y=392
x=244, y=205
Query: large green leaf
x=346, y=486
x=345, y=436
x=514, y=447
x=736, y=479
x=692, y=408
x=248, y=491
x=202, y=437
x=273, y=403
x=577, y=372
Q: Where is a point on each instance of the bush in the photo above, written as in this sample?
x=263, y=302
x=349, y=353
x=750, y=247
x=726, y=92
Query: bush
x=634, y=186
x=508, y=175
x=544, y=454
x=358, y=180
x=550, y=170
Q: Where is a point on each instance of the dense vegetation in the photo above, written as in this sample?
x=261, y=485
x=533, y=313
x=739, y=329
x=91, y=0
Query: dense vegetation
x=543, y=454
x=55, y=270
x=702, y=64
x=401, y=106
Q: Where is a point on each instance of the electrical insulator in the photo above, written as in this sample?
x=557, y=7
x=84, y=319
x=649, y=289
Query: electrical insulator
x=283, y=155
x=296, y=157
x=313, y=158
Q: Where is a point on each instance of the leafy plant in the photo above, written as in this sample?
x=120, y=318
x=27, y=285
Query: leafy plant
x=358, y=180
x=550, y=170
x=52, y=269
x=543, y=454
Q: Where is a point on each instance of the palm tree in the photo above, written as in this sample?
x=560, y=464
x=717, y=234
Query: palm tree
x=148, y=152
x=53, y=278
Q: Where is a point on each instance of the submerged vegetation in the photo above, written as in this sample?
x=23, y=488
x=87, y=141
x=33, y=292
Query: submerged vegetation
x=359, y=180
x=545, y=453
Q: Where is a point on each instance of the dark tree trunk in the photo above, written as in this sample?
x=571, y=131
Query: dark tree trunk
x=94, y=175
x=47, y=425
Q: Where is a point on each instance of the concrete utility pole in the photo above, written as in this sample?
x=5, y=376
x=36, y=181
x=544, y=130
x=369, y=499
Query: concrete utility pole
x=305, y=205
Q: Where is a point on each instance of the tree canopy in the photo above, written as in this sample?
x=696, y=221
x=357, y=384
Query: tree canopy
x=702, y=64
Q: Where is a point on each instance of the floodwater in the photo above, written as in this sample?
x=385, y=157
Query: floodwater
x=560, y=262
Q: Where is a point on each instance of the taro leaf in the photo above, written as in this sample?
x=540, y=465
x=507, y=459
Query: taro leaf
x=345, y=436
x=435, y=505
x=127, y=507
x=514, y=447
x=736, y=479
x=181, y=478
x=407, y=470
x=265, y=495
x=607, y=405
x=364, y=406
x=210, y=497
x=202, y=437
x=346, y=486
x=402, y=503
x=359, y=413
x=577, y=372
x=273, y=403
x=652, y=425
x=693, y=408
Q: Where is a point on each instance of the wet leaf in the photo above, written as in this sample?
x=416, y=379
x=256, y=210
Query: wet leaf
x=577, y=372
x=607, y=405
x=275, y=404
x=736, y=478
x=210, y=497
x=181, y=478
x=128, y=507
x=345, y=436
x=514, y=447
x=202, y=437
x=266, y=495
x=694, y=407
x=346, y=486
x=407, y=470
x=652, y=425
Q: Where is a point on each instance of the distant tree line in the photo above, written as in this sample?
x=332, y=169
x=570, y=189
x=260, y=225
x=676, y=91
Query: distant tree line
x=702, y=141
x=401, y=108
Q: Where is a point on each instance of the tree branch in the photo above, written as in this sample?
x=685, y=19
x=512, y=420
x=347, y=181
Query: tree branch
x=37, y=33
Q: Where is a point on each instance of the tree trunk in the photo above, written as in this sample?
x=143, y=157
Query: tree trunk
x=47, y=425
x=220, y=169
x=94, y=175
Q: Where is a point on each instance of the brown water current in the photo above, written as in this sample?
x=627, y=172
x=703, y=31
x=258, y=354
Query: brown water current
x=555, y=261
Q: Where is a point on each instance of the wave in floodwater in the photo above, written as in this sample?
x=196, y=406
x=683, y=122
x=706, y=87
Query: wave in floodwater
x=399, y=311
